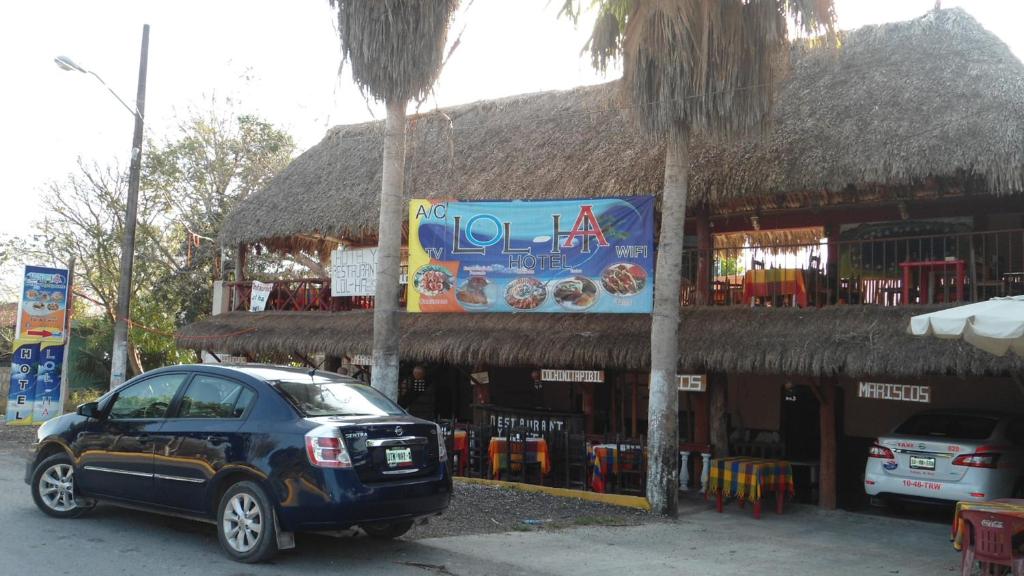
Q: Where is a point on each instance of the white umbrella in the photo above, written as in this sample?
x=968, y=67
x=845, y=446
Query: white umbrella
x=995, y=326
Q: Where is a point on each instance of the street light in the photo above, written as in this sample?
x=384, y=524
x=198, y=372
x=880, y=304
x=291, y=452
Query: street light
x=119, y=360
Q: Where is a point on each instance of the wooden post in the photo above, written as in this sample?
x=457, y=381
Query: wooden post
x=704, y=256
x=828, y=476
x=240, y=257
x=634, y=410
x=832, y=266
x=716, y=419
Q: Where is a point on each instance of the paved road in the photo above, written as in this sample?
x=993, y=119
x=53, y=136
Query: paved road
x=113, y=541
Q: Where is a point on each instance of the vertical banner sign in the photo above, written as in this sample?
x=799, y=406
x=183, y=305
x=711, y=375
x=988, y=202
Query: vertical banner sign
x=532, y=256
x=259, y=296
x=37, y=362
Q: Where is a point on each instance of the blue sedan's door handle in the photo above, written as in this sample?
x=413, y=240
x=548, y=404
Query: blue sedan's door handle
x=216, y=439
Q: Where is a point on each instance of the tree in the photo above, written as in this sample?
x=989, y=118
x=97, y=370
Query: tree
x=188, y=185
x=217, y=158
x=690, y=66
x=395, y=48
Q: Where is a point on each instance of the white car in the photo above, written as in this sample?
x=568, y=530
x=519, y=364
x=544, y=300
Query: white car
x=949, y=456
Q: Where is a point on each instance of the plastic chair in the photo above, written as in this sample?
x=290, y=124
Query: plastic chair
x=989, y=538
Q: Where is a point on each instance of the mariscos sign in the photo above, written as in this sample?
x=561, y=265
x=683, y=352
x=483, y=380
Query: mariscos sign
x=898, y=392
x=532, y=256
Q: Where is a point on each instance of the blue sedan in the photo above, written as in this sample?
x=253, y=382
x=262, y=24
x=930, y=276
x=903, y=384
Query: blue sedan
x=262, y=451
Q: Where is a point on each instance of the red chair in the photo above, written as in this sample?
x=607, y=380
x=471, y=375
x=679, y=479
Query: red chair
x=994, y=539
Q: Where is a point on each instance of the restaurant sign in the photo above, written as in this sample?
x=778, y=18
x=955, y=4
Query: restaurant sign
x=43, y=306
x=572, y=375
x=899, y=392
x=591, y=255
x=693, y=382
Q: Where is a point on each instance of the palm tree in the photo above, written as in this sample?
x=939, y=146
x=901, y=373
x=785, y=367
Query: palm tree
x=690, y=66
x=395, y=48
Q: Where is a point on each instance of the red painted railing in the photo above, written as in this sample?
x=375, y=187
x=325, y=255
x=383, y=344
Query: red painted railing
x=309, y=294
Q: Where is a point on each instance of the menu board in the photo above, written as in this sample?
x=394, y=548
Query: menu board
x=566, y=256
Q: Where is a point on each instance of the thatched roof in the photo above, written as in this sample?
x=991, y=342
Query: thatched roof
x=853, y=340
x=937, y=98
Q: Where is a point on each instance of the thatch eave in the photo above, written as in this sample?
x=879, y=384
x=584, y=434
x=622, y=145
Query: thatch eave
x=857, y=341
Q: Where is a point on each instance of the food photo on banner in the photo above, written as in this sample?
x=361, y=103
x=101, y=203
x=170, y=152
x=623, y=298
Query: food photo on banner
x=592, y=255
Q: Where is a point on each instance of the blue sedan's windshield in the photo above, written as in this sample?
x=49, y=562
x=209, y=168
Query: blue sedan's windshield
x=322, y=397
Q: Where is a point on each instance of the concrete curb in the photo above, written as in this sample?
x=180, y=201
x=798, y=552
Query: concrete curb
x=612, y=499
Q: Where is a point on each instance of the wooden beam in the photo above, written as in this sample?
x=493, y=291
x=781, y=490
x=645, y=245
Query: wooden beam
x=704, y=256
x=828, y=475
x=717, y=382
x=634, y=408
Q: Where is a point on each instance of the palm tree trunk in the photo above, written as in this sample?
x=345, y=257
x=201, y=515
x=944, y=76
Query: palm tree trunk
x=663, y=418
x=389, y=255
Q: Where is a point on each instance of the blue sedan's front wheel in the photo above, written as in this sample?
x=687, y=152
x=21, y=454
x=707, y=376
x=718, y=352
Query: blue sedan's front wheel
x=53, y=487
x=245, y=521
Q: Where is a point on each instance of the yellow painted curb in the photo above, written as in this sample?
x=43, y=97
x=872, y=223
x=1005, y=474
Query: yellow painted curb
x=612, y=499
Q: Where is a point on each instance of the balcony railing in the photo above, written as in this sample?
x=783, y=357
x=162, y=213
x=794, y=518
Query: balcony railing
x=958, y=267
x=310, y=294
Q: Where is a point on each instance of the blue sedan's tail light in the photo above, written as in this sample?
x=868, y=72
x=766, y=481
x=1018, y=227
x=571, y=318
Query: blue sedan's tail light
x=326, y=449
x=442, y=451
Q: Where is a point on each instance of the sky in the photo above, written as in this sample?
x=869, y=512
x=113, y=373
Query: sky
x=280, y=60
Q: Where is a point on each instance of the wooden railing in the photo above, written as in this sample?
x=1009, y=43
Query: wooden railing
x=309, y=294
x=957, y=267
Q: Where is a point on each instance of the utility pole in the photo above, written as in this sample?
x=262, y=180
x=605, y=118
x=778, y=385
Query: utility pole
x=119, y=360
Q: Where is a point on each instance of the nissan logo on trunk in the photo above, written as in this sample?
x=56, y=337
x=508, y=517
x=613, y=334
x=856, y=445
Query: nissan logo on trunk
x=398, y=430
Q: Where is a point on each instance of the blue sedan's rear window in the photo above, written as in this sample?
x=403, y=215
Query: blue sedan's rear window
x=322, y=397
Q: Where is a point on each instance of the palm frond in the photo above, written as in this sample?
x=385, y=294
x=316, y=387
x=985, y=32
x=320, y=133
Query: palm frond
x=708, y=66
x=395, y=47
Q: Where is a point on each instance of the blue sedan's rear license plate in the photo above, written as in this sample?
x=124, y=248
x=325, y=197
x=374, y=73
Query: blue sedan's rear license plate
x=922, y=463
x=399, y=456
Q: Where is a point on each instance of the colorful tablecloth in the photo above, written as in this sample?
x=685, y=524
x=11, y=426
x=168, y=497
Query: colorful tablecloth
x=536, y=451
x=460, y=445
x=749, y=479
x=775, y=282
x=1010, y=506
x=604, y=462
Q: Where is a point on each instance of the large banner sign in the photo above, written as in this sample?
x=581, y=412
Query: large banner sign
x=532, y=256
x=44, y=302
x=34, y=393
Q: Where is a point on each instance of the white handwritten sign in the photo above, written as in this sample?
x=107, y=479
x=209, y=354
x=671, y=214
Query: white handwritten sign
x=572, y=375
x=900, y=392
x=693, y=382
x=260, y=295
x=354, y=271
x=361, y=360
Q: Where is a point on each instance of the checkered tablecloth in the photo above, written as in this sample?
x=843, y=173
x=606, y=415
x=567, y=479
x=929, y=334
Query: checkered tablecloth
x=1011, y=506
x=536, y=451
x=749, y=479
x=604, y=461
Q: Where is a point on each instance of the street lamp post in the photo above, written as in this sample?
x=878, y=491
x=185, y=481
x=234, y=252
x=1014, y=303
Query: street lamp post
x=119, y=359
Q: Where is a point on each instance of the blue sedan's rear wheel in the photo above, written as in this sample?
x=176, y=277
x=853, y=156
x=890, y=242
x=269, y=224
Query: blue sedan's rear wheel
x=245, y=523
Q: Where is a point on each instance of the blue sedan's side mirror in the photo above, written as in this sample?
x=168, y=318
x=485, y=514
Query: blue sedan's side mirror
x=89, y=410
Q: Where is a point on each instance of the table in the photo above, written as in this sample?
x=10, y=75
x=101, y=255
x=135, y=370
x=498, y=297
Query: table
x=536, y=451
x=750, y=479
x=460, y=446
x=775, y=282
x=1011, y=506
x=932, y=266
x=604, y=461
